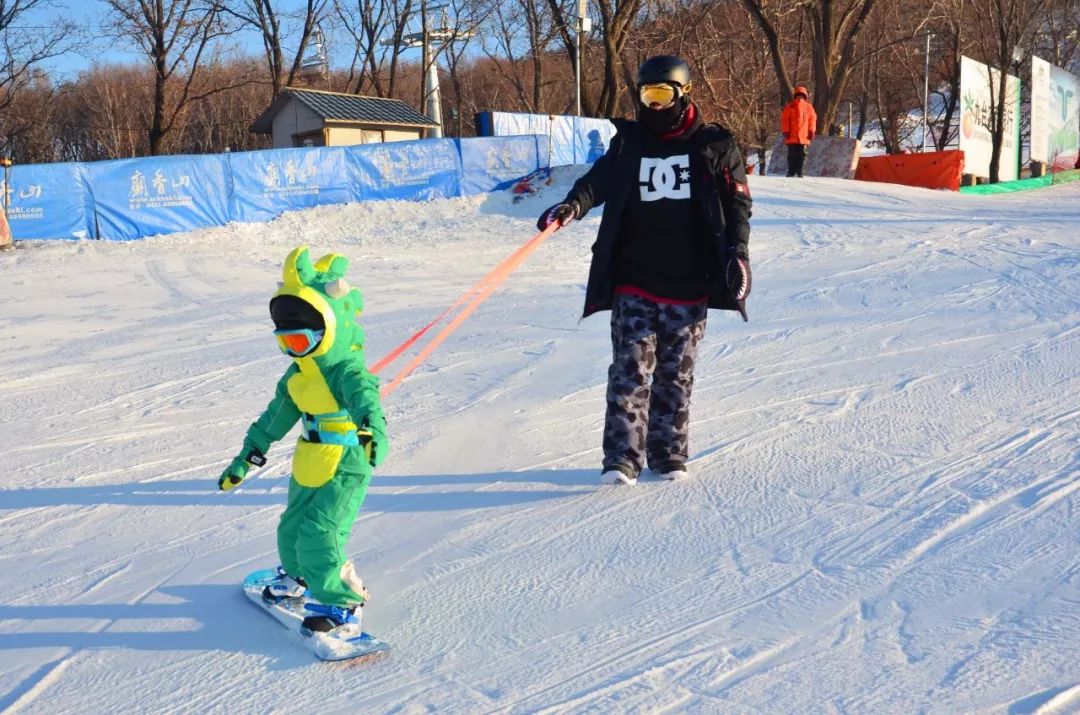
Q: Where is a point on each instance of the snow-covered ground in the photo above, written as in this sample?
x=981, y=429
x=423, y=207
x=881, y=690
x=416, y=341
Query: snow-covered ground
x=883, y=515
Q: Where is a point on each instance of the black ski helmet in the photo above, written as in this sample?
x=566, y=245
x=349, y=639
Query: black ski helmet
x=667, y=69
x=290, y=312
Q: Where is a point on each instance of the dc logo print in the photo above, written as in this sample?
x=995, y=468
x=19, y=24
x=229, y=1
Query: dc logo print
x=665, y=178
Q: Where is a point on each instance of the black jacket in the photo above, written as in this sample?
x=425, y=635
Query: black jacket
x=719, y=182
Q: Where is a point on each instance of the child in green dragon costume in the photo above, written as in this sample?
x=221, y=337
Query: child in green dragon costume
x=343, y=437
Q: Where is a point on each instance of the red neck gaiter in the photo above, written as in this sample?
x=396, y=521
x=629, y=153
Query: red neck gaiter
x=687, y=122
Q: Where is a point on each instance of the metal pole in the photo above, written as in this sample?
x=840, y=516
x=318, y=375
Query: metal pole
x=7, y=242
x=577, y=67
x=926, y=95
x=434, y=101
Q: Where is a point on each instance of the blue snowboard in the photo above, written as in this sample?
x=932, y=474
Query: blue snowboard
x=290, y=613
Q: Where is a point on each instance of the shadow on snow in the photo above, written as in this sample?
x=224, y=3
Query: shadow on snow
x=270, y=491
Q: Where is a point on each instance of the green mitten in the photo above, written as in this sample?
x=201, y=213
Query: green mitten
x=233, y=474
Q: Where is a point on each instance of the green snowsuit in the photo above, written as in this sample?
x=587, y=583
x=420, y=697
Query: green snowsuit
x=343, y=436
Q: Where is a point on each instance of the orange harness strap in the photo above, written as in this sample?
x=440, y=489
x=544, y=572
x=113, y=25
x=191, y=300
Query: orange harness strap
x=472, y=299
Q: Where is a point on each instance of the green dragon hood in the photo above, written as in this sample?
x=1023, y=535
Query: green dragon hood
x=322, y=285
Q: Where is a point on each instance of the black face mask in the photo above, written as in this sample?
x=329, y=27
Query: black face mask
x=662, y=121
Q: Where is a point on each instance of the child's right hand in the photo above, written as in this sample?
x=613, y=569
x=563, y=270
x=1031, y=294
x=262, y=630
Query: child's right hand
x=378, y=450
x=374, y=448
x=233, y=474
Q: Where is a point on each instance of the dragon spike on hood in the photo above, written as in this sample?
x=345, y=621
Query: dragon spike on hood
x=298, y=270
x=331, y=267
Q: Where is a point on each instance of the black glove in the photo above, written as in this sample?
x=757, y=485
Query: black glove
x=739, y=279
x=562, y=213
x=374, y=446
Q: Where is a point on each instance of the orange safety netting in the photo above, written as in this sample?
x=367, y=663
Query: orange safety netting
x=932, y=170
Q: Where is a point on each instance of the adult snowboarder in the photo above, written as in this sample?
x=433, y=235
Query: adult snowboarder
x=672, y=243
x=328, y=388
x=798, y=122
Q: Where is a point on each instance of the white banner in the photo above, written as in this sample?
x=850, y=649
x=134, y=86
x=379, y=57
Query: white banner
x=1055, y=114
x=979, y=86
x=574, y=140
x=1040, y=109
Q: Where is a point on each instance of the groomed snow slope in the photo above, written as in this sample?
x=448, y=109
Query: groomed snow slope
x=883, y=515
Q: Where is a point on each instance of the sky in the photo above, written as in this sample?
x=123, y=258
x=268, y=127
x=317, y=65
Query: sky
x=93, y=17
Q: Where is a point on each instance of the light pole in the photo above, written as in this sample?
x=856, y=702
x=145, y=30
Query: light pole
x=584, y=24
x=926, y=94
x=1018, y=54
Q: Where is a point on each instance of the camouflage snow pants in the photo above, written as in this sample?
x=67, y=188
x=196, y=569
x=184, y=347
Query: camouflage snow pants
x=652, y=372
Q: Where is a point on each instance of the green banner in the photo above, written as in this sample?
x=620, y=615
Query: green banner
x=1007, y=187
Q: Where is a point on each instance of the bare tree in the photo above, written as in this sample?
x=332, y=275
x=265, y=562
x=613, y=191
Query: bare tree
x=376, y=28
x=222, y=121
x=1004, y=31
x=103, y=114
x=174, y=35
x=891, y=84
x=267, y=20
x=112, y=125
x=835, y=27
x=948, y=36
x=746, y=102
x=1059, y=40
x=618, y=19
x=23, y=49
x=469, y=16
x=564, y=18
x=519, y=35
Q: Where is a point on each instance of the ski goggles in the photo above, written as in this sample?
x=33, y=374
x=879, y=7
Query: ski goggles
x=662, y=93
x=298, y=343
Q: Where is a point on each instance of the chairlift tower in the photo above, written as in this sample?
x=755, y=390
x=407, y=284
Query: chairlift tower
x=431, y=41
x=316, y=62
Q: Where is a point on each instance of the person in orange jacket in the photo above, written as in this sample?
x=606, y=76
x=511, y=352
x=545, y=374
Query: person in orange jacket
x=798, y=123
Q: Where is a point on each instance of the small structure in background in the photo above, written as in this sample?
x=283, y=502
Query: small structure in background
x=309, y=117
x=835, y=157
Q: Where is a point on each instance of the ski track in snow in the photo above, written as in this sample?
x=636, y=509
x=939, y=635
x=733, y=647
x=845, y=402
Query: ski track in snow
x=882, y=515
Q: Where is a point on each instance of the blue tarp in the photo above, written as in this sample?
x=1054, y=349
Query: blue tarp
x=267, y=183
x=414, y=170
x=574, y=140
x=495, y=163
x=134, y=198
x=49, y=201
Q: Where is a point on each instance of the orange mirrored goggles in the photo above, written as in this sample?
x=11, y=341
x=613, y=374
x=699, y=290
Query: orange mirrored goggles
x=662, y=94
x=298, y=343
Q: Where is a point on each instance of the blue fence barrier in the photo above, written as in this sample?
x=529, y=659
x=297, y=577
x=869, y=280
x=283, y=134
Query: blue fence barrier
x=267, y=183
x=415, y=170
x=49, y=201
x=493, y=164
x=133, y=198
